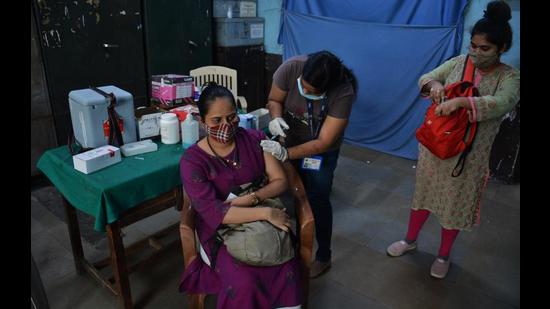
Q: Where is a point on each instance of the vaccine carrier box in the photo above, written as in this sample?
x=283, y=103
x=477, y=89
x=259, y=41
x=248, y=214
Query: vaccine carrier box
x=96, y=159
x=89, y=115
x=262, y=118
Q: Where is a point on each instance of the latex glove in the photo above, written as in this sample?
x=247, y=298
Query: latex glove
x=273, y=147
x=277, y=126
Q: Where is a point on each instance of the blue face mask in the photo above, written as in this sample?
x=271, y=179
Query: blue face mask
x=308, y=96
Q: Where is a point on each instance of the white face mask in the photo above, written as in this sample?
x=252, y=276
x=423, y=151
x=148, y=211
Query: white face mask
x=308, y=96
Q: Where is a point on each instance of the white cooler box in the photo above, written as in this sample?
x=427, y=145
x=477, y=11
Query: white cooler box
x=89, y=112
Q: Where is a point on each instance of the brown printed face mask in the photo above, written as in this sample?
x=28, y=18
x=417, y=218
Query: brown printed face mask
x=223, y=133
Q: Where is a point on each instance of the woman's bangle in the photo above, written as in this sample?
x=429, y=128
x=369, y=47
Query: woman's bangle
x=255, y=199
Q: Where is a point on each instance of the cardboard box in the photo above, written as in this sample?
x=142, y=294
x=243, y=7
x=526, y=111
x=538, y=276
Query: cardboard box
x=96, y=159
x=171, y=89
x=148, y=122
x=232, y=9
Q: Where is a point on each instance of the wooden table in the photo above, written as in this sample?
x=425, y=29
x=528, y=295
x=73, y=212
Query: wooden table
x=117, y=196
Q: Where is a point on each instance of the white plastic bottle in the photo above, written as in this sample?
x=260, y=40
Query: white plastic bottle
x=189, y=131
x=169, y=128
x=229, y=11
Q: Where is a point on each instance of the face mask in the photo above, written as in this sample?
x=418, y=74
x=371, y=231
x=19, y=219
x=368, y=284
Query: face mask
x=484, y=61
x=308, y=96
x=223, y=133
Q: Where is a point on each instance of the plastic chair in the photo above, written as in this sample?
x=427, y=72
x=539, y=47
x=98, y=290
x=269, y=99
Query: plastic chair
x=223, y=76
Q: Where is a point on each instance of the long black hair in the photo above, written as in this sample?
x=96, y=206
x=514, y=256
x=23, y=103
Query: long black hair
x=210, y=94
x=495, y=26
x=324, y=71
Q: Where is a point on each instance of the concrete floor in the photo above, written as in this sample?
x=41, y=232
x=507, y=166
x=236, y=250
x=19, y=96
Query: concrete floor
x=371, y=197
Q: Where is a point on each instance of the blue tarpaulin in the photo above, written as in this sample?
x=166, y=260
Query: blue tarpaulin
x=388, y=44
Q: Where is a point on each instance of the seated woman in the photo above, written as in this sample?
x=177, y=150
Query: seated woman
x=215, y=166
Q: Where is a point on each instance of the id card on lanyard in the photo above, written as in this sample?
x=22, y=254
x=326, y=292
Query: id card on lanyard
x=314, y=163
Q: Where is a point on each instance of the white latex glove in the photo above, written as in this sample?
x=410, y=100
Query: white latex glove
x=277, y=125
x=273, y=147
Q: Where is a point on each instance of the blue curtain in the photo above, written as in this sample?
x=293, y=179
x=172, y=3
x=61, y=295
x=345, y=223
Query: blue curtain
x=407, y=12
x=388, y=53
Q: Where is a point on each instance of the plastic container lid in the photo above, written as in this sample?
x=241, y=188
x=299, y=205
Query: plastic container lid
x=168, y=116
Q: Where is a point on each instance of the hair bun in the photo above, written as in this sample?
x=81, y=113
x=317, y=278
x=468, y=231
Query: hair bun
x=498, y=11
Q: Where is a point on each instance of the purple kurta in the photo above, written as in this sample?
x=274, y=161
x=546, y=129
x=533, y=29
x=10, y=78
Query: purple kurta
x=208, y=183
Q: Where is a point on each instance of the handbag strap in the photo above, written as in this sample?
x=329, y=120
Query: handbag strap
x=462, y=159
x=468, y=74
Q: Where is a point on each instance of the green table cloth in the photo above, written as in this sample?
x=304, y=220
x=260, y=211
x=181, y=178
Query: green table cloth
x=107, y=193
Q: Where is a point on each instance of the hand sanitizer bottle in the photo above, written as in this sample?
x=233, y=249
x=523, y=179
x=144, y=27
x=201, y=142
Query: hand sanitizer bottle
x=189, y=131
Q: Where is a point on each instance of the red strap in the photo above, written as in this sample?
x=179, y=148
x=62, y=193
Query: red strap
x=468, y=71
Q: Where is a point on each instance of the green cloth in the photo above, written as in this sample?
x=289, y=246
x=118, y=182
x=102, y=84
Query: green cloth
x=107, y=193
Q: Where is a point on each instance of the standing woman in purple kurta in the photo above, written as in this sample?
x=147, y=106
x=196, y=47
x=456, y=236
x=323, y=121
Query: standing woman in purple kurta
x=212, y=168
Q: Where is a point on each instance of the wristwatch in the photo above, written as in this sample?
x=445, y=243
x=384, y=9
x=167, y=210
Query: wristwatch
x=255, y=199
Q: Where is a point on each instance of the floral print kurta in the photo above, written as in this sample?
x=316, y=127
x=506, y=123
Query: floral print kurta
x=456, y=201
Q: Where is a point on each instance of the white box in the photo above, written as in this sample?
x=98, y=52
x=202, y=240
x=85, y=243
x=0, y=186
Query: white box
x=148, y=122
x=135, y=148
x=262, y=117
x=233, y=9
x=247, y=121
x=96, y=159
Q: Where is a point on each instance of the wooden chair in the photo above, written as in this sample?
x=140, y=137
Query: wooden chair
x=305, y=224
x=223, y=76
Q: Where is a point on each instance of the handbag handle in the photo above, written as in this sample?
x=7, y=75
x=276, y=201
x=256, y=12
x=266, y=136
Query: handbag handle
x=469, y=72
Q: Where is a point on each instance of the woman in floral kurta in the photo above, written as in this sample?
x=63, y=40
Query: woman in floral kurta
x=212, y=168
x=455, y=201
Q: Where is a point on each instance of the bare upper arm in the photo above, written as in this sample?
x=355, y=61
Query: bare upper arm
x=273, y=168
x=277, y=94
x=332, y=129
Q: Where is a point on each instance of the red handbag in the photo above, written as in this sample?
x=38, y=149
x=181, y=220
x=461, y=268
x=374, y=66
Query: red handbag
x=445, y=136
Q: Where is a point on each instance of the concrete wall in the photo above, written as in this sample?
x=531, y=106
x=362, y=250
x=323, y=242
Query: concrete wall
x=271, y=11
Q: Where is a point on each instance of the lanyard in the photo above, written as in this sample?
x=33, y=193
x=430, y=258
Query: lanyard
x=320, y=117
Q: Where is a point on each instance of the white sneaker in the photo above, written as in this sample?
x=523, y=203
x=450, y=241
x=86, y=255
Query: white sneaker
x=440, y=267
x=400, y=247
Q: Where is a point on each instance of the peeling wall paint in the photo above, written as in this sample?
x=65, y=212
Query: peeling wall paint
x=70, y=18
